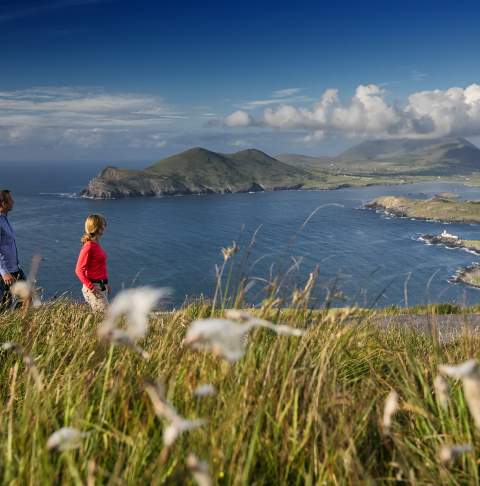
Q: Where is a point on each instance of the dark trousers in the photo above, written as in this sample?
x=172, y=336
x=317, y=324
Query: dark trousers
x=6, y=298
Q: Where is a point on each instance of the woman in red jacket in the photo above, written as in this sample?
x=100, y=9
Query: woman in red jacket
x=91, y=266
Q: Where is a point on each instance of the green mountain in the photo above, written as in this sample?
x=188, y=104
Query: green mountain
x=198, y=171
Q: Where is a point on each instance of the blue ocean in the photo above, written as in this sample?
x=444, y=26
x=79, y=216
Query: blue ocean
x=176, y=241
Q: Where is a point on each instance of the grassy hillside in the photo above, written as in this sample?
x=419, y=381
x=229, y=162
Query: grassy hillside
x=291, y=411
x=201, y=166
x=198, y=171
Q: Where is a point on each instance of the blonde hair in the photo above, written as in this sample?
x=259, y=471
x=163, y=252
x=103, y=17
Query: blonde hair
x=94, y=224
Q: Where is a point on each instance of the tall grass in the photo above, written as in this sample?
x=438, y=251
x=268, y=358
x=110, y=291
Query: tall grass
x=291, y=411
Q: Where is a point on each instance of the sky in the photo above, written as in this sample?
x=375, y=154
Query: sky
x=123, y=81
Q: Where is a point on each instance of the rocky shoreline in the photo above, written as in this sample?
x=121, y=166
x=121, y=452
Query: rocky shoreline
x=438, y=208
x=450, y=242
x=468, y=275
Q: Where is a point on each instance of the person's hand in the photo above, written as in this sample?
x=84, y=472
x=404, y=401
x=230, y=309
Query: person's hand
x=95, y=291
x=8, y=279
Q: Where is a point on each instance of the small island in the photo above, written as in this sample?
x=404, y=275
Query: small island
x=438, y=208
x=468, y=275
x=452, y=241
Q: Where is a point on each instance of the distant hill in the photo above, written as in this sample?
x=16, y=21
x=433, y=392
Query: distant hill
x=439, y=156
x=198, y=171
x=307, y=162
x=443, y=156
x=201, y=171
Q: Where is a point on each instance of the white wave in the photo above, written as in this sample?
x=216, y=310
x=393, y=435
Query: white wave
x=69, y=195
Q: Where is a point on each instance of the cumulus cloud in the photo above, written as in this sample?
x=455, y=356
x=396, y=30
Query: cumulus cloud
x=369, y=113
x=239, y=118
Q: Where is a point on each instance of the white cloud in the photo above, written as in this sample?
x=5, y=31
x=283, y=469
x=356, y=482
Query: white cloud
x=288, y=95
x=238, y=143
x=46, y=7
x=79, y=105
x=369, y=113
x=83, y=117
x=238, y=118
x=285, y=93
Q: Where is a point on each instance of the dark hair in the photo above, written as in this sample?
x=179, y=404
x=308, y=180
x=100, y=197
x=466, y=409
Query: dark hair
x=4, y=195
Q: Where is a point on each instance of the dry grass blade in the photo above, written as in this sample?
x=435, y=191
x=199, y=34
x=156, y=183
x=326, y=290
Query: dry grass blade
x=28, y=361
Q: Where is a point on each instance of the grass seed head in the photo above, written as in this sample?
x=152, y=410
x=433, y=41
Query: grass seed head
x=230, y=251
x=238, y=315
x=469, y=373
x=65, y=439
x=447, y=454
x=205, y=390
x=135, y=305
x=176, y=428
x=11, y=345
x=390, y=409
x=200, y=470
x=220, y=336
x=460, y=371
x=441, y=391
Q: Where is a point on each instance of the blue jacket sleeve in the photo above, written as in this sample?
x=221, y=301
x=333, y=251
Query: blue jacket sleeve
x=3, y=268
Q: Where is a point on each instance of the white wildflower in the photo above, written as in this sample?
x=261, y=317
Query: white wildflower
x=205, y=390
x=28, y=361
x=163, y=409
x=11, y=345
x=459, y=371
x=469, y=373
x=200, y=470
x=221, y=336
x=135, y=305
x=441, y=391
x=174, y=429
x=238, y=315
x=246, y=317
x=389, y=410
x=447, y=454
x=226, y=338
x=25, y=290
x=65, y=439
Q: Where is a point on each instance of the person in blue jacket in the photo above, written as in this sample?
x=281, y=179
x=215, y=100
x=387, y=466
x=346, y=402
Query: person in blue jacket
x=10, y=271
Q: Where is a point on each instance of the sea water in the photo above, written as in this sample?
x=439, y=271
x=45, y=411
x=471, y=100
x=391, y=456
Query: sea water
x=176, y=242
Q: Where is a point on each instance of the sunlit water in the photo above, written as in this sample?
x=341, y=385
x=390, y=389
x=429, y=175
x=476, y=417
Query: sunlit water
x=176, y=241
